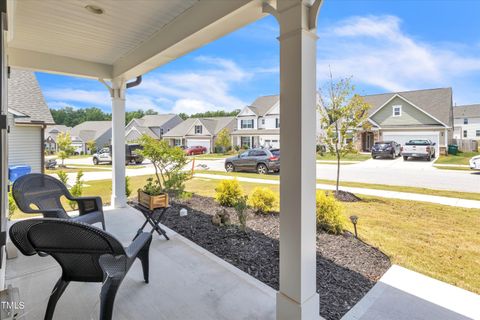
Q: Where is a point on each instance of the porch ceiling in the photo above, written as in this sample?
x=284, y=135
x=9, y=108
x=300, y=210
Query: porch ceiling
x=128, y=39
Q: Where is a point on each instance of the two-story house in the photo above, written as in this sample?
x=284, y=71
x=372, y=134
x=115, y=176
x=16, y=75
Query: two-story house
x=199, y=132
x=403, y=116
x=153, y=125
x=258, y=125
x=467, y=122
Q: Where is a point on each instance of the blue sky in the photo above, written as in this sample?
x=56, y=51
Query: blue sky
x=385, y=46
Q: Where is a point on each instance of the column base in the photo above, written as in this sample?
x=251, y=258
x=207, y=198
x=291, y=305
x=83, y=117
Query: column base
x=118, y=202
x=288, y=309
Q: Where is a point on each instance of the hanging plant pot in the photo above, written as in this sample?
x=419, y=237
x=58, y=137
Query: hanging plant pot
x=152, y=202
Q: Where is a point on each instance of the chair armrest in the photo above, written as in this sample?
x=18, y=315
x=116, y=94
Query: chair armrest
x=138, y=244
x=88, y=204
x=50, y=213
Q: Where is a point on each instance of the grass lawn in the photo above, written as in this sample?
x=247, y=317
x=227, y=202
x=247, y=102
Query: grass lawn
x=70, y=170
x=208, y=156
x=348, y=157
x=460, y=158
x=443, y=193
x=453, y=168
x=440, y=241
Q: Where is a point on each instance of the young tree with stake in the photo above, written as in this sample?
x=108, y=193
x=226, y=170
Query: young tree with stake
x=344, y=112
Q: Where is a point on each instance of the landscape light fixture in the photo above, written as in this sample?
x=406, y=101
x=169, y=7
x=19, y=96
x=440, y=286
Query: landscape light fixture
x=94, y=9
x=354, y=220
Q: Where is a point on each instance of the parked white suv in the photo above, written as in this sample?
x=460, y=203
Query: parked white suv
x=419, y=149
x=475, y=163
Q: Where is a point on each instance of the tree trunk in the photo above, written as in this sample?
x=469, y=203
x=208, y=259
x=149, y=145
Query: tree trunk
x=338, y=172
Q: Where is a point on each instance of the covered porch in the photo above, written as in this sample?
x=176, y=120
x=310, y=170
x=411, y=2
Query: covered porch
x=116, y=42
x=186, y=282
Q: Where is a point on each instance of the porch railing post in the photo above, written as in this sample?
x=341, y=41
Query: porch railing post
x=297, y=297
x=119, y=199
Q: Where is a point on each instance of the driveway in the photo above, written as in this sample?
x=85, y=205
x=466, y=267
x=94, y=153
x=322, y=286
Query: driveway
x=397, y=163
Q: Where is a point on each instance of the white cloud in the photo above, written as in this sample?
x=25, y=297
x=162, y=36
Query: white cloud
x=96, y=98
x=377, y=52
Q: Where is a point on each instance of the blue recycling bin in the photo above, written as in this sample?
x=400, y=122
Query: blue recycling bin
x=15, y=172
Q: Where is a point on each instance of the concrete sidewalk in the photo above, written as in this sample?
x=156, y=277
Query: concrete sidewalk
x=455, y=202
x=402, y=294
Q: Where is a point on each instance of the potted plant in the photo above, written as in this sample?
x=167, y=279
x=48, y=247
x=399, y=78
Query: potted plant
x=152, y=195
x=169, y=176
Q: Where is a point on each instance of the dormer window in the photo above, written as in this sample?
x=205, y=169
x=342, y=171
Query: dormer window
x=465, y=120
x=397, y=111
x=198, y=129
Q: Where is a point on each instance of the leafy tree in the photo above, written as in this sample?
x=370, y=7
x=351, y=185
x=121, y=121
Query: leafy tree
x=168, y=163
x=183, y=115
x=210, y=114
x=223, y=140
x=344, y=111
x=64, y=143
x=91, y=146
x=71, y=117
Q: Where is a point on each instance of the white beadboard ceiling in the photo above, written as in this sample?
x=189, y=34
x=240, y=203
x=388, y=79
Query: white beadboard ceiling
x=67, y=29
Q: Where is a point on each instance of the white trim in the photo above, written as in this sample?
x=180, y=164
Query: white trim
x=247, y=115
x=411, y=103
x=399, y=106
x=193, y=124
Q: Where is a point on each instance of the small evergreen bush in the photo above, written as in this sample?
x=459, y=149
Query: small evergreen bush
x=262, y=200
x=228, y=192
x=329, y=214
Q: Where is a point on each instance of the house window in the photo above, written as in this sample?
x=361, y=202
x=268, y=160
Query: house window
x=397, y=111
x=198, y=129
x=161, y=131
x=277, y=122
x=465, y=120
x=246, y=124
x=465, y=133
x=177, y=142
x=245, y=142
x=477, y=133
x=263, y=121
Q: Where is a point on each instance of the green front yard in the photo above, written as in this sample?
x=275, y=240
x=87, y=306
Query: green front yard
x=440, y=241
x=461, y=158
x=349, y=157
x=443, y=193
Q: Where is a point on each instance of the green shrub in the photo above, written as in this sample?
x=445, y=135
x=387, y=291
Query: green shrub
x=228, y=192
x=241, y=210
x=12, y=206
x=62, y=176
x=262, y=200
x=329, y=214
x=128, y=188
x=76, y=190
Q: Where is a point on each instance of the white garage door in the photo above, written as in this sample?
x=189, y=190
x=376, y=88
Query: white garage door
x=195, y=142
x=404, y=137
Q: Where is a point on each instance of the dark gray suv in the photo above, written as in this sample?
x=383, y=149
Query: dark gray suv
x=261, y=161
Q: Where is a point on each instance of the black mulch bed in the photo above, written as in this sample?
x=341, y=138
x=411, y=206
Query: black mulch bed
x=346, y=267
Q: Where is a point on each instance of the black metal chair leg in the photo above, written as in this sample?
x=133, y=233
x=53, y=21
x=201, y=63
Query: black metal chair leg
x=57, y=292
x=143, y=256
x=107, y=297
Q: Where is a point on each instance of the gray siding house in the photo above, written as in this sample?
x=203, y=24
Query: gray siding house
x=154, y=126
x=28, y=115
x=403, y=116
x=199, y=132
x=98, y=131
x=467, y=122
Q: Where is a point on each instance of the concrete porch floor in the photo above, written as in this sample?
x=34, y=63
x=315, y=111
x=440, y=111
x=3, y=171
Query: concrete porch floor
x=186, y=282
x=402, y=294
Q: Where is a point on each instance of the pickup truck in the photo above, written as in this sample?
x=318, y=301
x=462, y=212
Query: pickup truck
x=105, y=155
x=419, y=149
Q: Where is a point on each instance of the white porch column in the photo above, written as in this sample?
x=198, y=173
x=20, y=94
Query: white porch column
x=119, y=199
x=297, y=297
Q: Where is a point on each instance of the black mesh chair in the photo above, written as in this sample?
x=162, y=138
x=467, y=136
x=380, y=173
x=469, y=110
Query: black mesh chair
x=40, y=193
x=85, y=253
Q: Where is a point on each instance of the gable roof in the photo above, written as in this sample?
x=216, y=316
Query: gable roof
x=155, y=120
x=262, y=104
x=435, y=102
x=25, y=97
x=467, y=111
x=57, y=128
x=213, y=125
x=91, y=130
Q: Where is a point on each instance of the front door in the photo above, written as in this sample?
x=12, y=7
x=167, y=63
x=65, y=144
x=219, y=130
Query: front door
x=368, y=141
